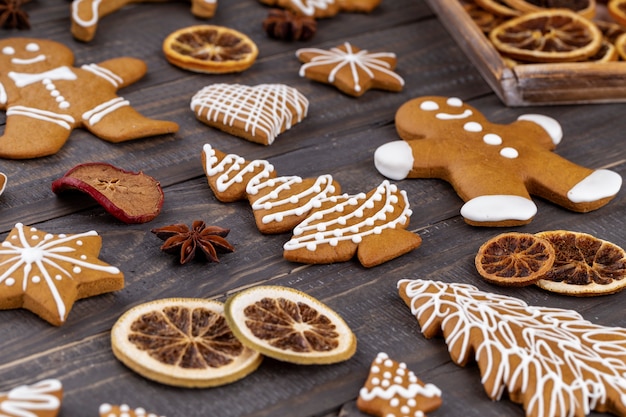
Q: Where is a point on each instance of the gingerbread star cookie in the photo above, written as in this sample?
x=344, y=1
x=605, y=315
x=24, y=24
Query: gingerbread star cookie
x=47, y=273
x=257, y=113
x=42, y=399
x=3, y=182
x=393, y=390
x=87, y=13
x=352, y=70
x=123, y=410
x=493, y=167
x=46, y=97
x=551, y=361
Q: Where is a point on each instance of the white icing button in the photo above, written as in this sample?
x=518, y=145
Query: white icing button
x=492, y=139
x=429, y=105
x=454, y=102
x=473, y=127
x=36, y=279
x=600, y=184
x=9, y=282
x=510, y=153
x=495, y=208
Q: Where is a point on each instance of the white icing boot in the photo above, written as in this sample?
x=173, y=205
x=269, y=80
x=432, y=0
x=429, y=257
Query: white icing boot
x=498, y=208
x=598, y=185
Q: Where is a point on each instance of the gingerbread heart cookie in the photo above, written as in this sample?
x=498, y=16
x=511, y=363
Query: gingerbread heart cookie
x=350, y=69
x=493, y=167
x=258, y=114
x=42, y=399
x=551, y=361
x=47, y=273
x=87, y=13
x=45, y=98
x=393, y=390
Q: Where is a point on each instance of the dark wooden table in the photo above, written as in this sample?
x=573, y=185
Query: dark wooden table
x=338, y=137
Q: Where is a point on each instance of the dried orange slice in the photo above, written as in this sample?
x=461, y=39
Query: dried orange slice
x=289, y=325
x=210, y=49
x=514, y=259
x=485, y=19
x=183, y=342
x=586, y=8
x=584, y=265
x=606, y=53
x=620, y=45
x=498, y=7
x=610, y=30
x=557, y=35
x=617, y=10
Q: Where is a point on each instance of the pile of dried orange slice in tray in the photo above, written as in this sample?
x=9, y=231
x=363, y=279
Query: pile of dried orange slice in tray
x=552, y=31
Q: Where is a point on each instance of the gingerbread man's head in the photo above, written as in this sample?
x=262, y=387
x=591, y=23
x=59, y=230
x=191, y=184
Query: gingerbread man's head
x=29, y=56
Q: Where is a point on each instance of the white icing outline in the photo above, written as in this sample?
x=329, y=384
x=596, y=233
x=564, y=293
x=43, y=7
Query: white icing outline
x=96, y=114
x=104, y=73
x=26, y=400
x=308, y=7
x=94, y=11
x=63, y=120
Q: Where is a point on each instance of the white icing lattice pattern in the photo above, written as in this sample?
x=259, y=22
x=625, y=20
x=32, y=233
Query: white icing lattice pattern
x=265, y=109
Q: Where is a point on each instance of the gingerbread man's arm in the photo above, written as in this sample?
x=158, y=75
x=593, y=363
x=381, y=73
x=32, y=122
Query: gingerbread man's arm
x=121, y=71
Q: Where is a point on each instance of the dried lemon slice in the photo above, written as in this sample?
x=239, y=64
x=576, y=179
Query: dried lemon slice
x=183, y=342
x=584, y=265
x=617, y=10
x=586, y=8
x=498, y=7
x=210, y=49
x=514, y=259
x=557, y=35
x=620, y=45
x=289, y=325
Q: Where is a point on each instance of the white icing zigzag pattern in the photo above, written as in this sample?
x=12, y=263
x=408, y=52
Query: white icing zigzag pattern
x=264, y=110
x=551, y=360
x=28, y=400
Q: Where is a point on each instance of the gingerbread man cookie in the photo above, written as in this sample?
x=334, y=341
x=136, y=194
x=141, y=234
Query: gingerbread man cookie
x=324, y=8
x=87, y=13
x=42, y=399
x=493, y=167
x=3, y=182
x=45, y=98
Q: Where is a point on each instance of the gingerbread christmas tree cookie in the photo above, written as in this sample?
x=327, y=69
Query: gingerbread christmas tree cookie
x=47, y=273
x=551, y=361
x=327, y=226
x=393, y=390
x=494, y=168
x=350, y=69
x=46, y=98
x=42, y=399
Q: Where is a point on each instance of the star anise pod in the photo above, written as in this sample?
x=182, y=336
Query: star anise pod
x=207, y=240
x=12, y=16
x=287, y=26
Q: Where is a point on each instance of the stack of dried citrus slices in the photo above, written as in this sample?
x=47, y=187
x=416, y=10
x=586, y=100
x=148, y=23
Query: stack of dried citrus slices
x=197, y=343
x=561, y=261
x=551, y=31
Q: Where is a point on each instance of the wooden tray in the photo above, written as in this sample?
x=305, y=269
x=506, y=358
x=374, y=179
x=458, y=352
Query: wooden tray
x=532, y=84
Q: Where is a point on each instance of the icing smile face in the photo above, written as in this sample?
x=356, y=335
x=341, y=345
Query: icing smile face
x=32, y=55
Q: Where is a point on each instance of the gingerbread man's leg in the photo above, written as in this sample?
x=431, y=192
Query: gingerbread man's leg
x=203, y=8
x=572, y=186
x=32, y=133
x=487, y=203
x=116, y=121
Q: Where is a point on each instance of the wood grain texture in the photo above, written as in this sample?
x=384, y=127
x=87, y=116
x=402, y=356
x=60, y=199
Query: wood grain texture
x=338, y=137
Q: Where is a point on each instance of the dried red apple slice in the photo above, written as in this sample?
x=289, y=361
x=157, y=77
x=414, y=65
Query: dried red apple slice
x=132, y=197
